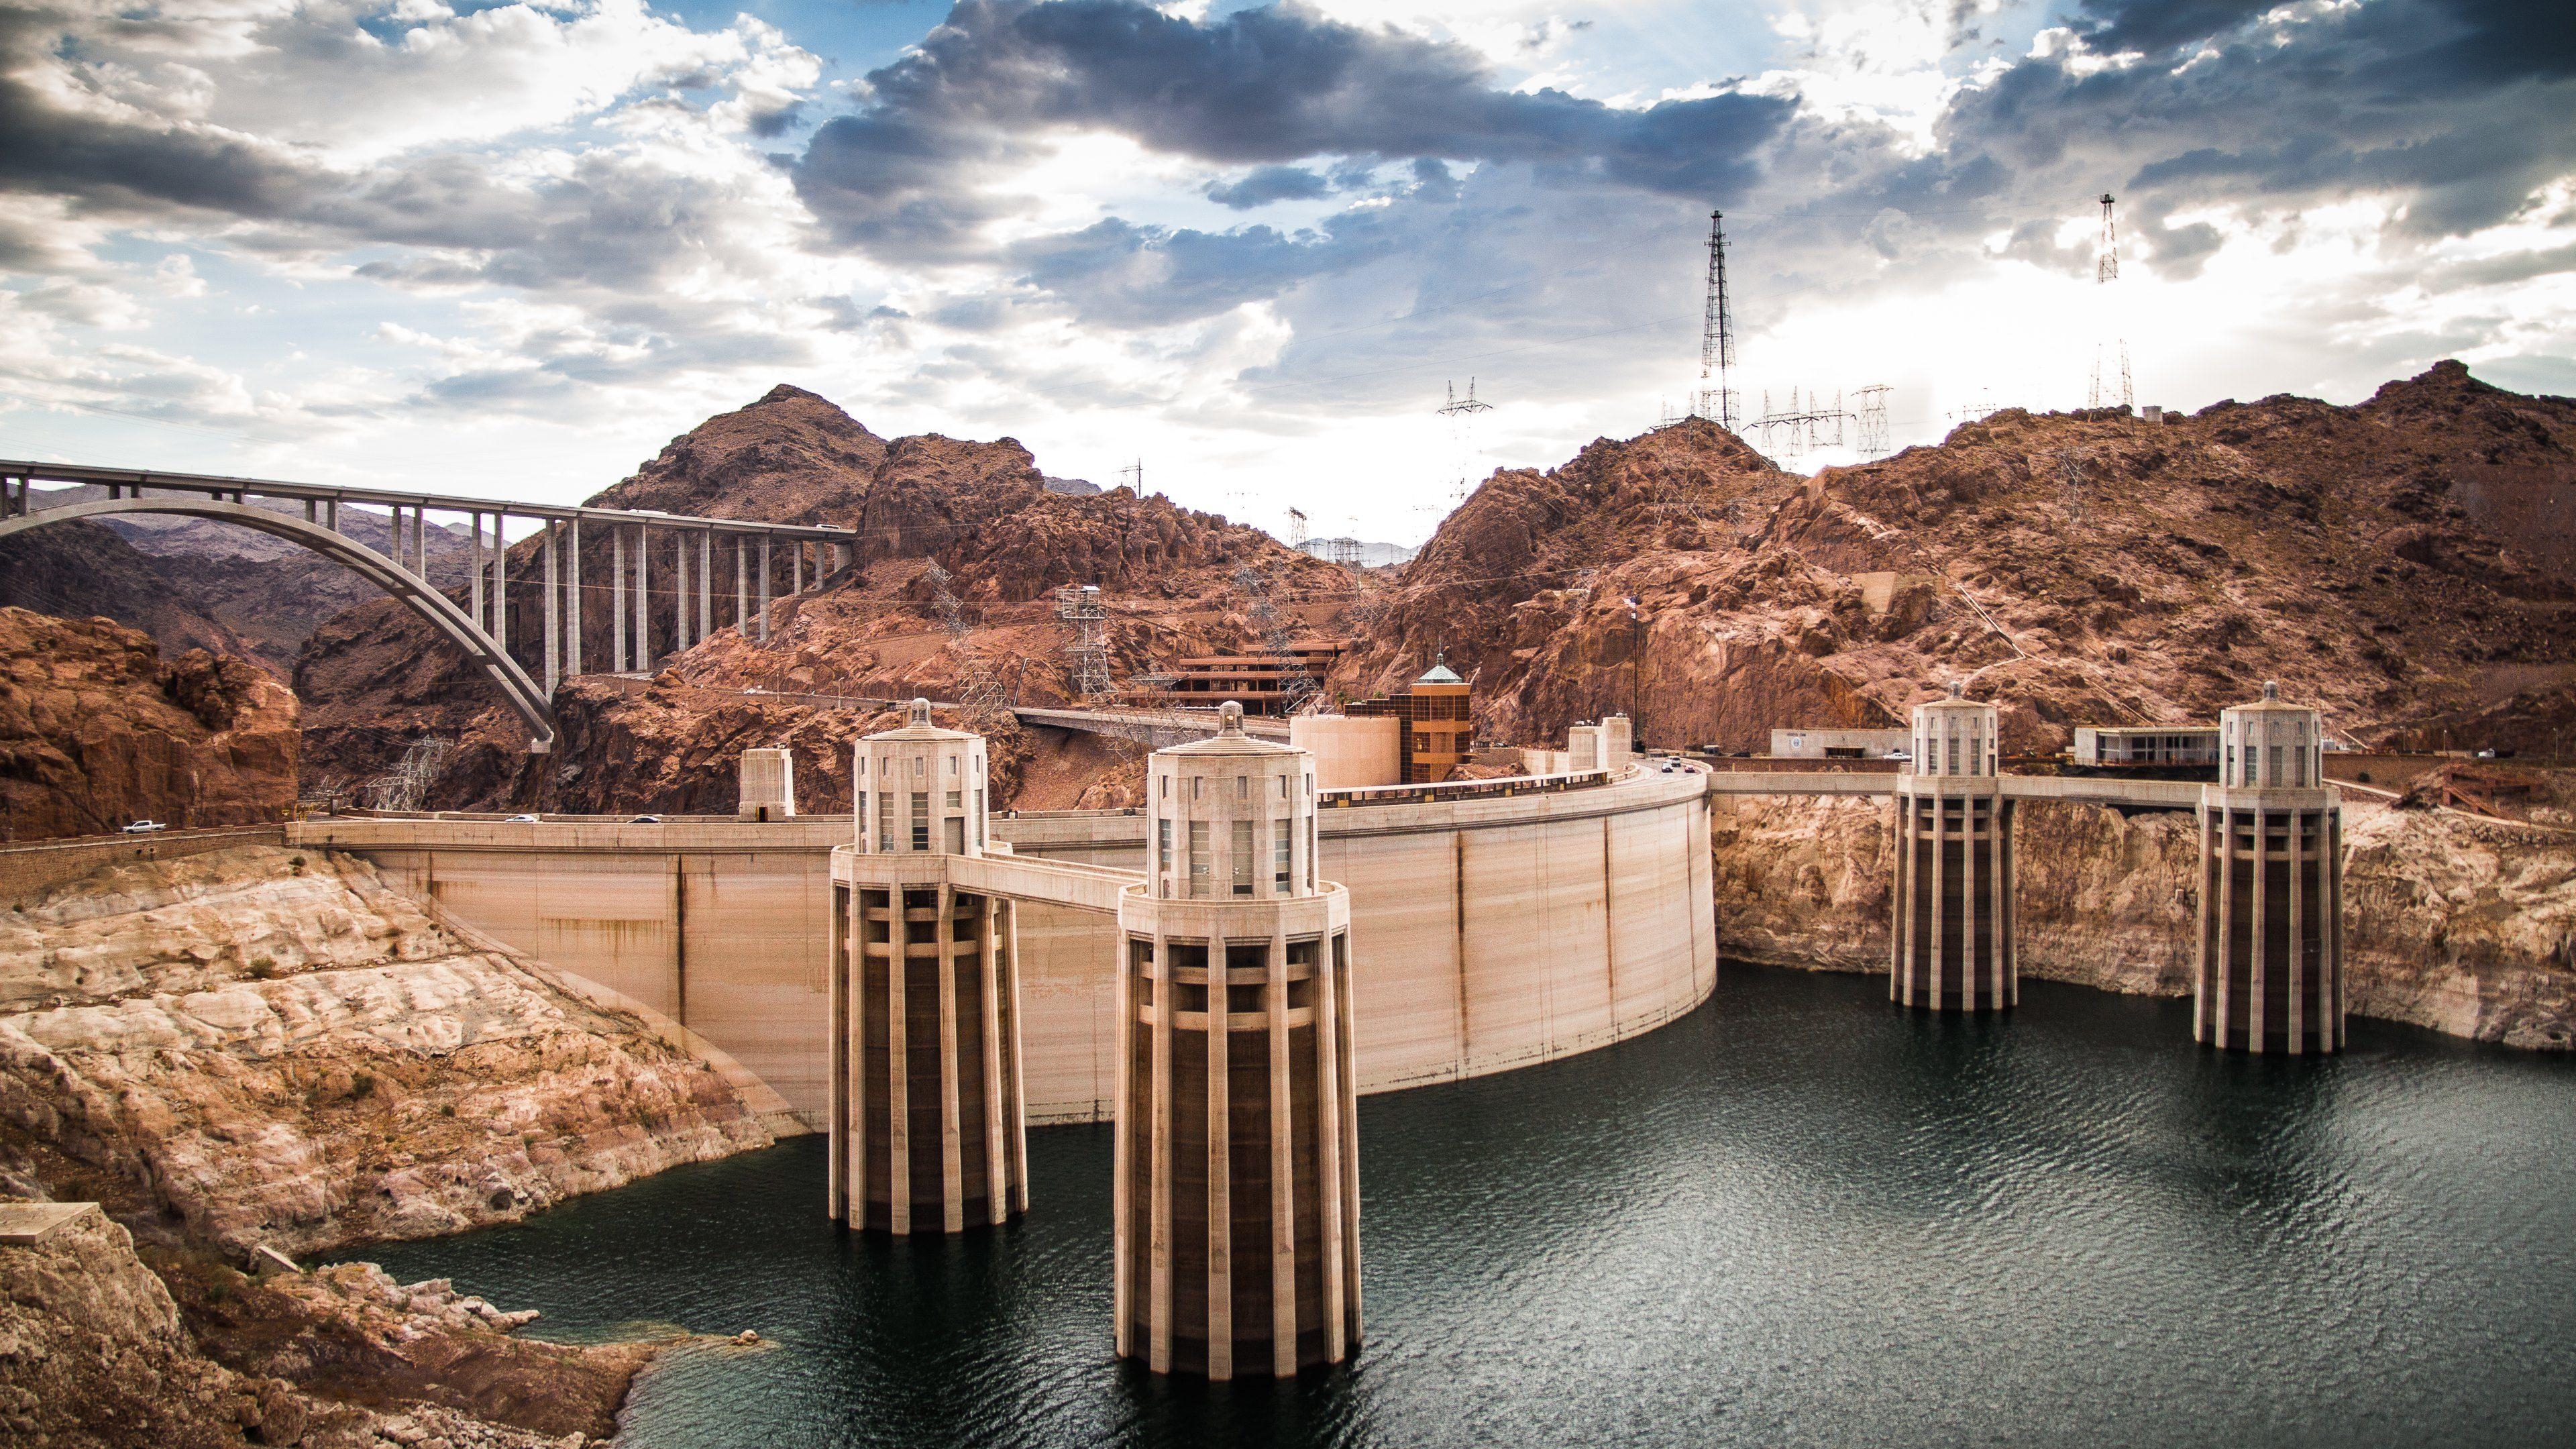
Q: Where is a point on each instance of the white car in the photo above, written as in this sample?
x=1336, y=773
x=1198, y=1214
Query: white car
x=145, y=827
x=521, y=820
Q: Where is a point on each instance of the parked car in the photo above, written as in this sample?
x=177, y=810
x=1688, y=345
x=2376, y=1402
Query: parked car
x=145, y=827
x=522, y=820
x=645, y=820
x=1902, y=757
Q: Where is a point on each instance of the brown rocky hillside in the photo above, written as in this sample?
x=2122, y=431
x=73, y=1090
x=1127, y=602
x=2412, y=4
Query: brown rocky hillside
x=373, y=678
x=2397, y=562
x=97, y=729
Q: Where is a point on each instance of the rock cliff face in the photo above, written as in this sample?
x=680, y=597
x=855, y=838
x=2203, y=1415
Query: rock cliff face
x=96, y=1352
x=261, y=1046
x=2451, y=923
x=2391, y=562
x=96, y=730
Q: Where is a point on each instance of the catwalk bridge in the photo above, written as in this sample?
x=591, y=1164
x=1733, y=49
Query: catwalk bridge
x=549, y=634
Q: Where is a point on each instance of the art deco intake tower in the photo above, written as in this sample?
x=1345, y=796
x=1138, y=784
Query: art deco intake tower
x=1237, y=1194
x=927, y=1116
x=1953, y=932
x=2270, y=975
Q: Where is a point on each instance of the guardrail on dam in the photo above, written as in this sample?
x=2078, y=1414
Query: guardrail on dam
x=1490, y=929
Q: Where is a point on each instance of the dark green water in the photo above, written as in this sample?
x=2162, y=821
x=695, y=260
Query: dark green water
x=1797, y=1217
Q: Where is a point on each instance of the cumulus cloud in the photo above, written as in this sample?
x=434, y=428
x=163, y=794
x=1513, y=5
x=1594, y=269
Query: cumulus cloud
x=595, y=209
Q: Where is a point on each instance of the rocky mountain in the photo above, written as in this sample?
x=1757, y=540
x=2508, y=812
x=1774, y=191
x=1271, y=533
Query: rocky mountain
x=982, y=511
x=2397, y=562
x=97, y=729
x=85, y=570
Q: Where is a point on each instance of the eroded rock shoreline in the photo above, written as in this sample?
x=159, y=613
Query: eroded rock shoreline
x=2451, y=923
x=264, y=1052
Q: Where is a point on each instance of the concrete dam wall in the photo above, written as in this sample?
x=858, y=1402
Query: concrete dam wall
x=1487, y=932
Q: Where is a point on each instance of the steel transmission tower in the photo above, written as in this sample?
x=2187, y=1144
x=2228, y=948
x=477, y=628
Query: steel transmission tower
x=980, y=694
x=2106, y=270
x=1717, y=335
x=1297, y=529
x=1461, y=413
x=1873, y=420
x=1079, y=605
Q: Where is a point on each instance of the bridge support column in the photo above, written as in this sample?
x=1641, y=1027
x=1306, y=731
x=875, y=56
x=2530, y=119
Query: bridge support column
x=764, y=588
x=419, y=542
x=474, y=569
x=643, y=596
x=679, y=593
x=573, y=602
x=2269, y=971
x=551, y=543
x=501, y=581
x=617, y=599
x=741, y=586
x=706, y=583
x=795, y=567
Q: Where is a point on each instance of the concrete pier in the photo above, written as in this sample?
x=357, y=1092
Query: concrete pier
x=928, y=1121
x=1237, y=1189
x=1952, y=942
x=2269, y=975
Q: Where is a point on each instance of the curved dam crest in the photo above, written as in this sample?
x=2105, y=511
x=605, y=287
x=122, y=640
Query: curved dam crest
x=1488, y=932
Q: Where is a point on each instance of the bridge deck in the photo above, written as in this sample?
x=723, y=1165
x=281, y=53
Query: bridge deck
x=217, y=485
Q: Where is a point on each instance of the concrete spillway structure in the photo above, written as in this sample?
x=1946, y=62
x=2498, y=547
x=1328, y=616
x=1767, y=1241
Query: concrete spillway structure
x=1237, y=1192
x=1952, y=947
x=927, y=1117
x=2270, y=963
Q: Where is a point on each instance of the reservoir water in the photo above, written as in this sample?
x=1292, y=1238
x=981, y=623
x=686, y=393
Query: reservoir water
x=1798, y=1216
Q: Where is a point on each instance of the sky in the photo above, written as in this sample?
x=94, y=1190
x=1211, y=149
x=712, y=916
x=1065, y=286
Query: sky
x=509, y=250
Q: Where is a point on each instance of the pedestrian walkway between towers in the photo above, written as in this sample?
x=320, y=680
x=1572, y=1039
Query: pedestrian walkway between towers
x=481, y=624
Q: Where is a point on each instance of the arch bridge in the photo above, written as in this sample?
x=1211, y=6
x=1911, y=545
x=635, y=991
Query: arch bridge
x=480, y=623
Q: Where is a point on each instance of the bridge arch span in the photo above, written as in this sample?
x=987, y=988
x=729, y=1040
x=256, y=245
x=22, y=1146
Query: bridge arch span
x=517, y=686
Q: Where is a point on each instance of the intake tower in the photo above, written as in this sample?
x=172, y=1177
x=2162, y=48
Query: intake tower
x=2270, y=968
x=1237, y=1193
x=1952, y=947
x=927, y=1116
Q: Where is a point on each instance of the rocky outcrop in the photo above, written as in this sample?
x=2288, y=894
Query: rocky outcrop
x=97, y=729
x=2392, y=563
x=263, y=1046
x=2451, y=923
x=96, y=1352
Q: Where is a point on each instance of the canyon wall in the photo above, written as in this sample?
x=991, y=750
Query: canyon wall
x=265, y=1046
x=2451, y=923
x=97, y=729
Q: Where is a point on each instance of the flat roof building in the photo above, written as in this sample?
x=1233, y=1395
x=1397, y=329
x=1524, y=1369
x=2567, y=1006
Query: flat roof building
x=2194, y=745
x=1836, y=744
